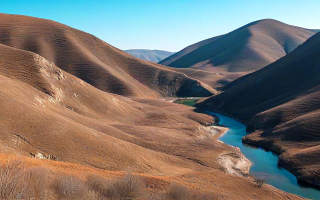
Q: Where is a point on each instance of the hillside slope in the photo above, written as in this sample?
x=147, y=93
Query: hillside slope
x=186, y=51
x=46, y=110
x=149, y=55
x=94, y=61
x=280, y=104
x=243, y=50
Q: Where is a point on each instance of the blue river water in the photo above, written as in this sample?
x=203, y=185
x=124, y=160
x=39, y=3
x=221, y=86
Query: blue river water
x=264, y=163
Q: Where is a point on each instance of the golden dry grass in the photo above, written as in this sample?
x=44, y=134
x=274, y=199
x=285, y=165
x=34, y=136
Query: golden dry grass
x=44, y=109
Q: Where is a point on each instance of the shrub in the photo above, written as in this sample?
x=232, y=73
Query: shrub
x=12, y=185
x=100, y=186
x=177, y=192
x=259, y=180
x=126, y=188
x=38, y=183
x=69, y=187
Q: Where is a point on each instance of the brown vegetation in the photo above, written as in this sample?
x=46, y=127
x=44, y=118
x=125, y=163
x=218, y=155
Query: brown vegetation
x=94, y=61
x=51, y=180
x=128, y=187
x=177, y=192
x=46, y=111
x=12, y=184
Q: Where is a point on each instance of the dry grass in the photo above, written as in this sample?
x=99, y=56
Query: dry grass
x=12, y=185
x=177, y=192
x=128, y=187
x=38, y=182
x=41, y=181
x=99, y=185
x=69, y=187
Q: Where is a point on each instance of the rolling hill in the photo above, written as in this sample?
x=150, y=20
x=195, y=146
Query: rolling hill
x=149, y=55
x=243, y=50
x=46, y=110
x=94, y=61
x=280, y=105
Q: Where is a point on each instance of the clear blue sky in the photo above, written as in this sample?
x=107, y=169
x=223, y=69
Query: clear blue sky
x=164, y=24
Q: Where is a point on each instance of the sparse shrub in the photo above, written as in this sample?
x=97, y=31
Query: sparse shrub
x=127, y=188
x=259, y=180
x=38, y=183
x=177, y=192
x=69, y=187
x=12, y=185
x=100, y=186
x=203, y=196
x=154, y=196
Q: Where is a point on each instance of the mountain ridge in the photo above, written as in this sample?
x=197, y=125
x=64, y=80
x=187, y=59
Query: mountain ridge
x=93, y=60
x=149, y=55
x=243, y=50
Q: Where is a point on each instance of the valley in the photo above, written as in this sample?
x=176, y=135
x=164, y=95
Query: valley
x=263, y=162
x=234, y=116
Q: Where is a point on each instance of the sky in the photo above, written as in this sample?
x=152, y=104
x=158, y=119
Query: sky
x=167, y=25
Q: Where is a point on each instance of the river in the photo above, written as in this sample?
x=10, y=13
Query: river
x=264, y=162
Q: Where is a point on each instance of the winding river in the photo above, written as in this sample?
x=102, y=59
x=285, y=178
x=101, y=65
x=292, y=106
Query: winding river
x=264, y=162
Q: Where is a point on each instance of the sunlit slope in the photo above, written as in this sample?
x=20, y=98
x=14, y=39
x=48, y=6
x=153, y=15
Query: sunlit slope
x=93, y=60
x=243, y=50
x=44, y=109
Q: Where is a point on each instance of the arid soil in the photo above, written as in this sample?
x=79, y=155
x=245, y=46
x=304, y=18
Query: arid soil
x=82, y=128
x=280, y=105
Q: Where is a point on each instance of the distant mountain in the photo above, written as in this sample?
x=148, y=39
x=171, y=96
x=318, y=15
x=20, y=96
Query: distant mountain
x=149, y=55
x=243, y=50
x=315, y=30
x=281, y=105
x=93, y=60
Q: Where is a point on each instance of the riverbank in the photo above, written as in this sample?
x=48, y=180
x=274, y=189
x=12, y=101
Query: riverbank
x=288, y=159
x=235, y=163
x=264, y=162
x=221, y=163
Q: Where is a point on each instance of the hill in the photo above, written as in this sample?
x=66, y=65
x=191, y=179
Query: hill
x=80, y=130
x=94, y=61
x=45, y=110
x=243, y=50
x=280, y=105
x=149, y=55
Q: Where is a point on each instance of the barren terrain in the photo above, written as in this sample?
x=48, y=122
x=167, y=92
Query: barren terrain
x=64, y=105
